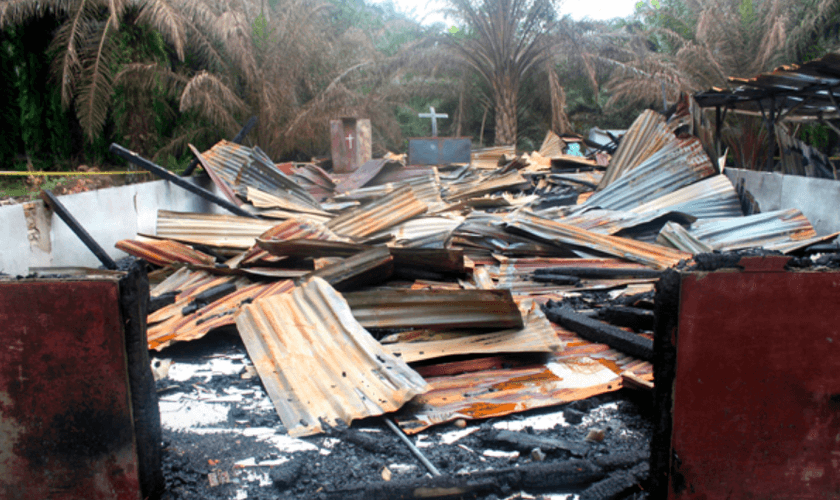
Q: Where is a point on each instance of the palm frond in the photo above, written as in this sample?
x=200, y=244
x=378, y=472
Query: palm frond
x=211, y=98
x=166, y=19
x=94, y=97
x=67, y=41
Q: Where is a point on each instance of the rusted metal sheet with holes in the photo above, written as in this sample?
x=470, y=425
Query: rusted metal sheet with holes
x=66, y=428
x=751, y=361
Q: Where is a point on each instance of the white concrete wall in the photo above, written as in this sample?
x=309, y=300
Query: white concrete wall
x=109, y=215
x=818, y=199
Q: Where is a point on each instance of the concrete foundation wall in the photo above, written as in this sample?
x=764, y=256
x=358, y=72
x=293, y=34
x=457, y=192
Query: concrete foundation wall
x=817, y=198
x=31, y=236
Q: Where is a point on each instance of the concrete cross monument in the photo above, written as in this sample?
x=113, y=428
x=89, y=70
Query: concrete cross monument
x=438, y=151
x=434, y=116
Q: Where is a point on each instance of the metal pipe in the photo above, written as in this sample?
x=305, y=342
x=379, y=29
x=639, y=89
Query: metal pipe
x=250, y=124
x=169, y=176
x=414, y=449
x=77, y=228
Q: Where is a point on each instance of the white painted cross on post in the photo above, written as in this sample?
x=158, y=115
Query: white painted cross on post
x=434, y=116
x=349, y=140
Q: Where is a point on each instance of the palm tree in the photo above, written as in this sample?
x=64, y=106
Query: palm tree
x=504, y=41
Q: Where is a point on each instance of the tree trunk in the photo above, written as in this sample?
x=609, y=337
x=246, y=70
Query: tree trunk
x=505, y=93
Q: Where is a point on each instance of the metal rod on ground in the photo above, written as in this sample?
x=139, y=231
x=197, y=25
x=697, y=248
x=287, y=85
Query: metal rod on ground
x=250, y=124
x=414, y=449
x=77, y=228
x=169, y=176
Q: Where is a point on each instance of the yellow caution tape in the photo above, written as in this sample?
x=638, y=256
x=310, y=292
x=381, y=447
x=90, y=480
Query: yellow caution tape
x=27, y=174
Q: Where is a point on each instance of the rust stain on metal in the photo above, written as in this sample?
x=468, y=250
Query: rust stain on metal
x=393, y=208
x=164, y=252
x=317, y=362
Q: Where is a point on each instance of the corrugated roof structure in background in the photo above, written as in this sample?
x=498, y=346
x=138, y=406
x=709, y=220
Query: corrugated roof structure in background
x=164, y=252
x=652, y=255
x=678, y=164
x=647, y=134
x=440, y=309
x=317, y=362
x=225, y=231
x=536, y=336
x=375, y=216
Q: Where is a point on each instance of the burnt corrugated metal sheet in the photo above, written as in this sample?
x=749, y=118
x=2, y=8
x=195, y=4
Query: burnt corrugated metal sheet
x=581, y=370
x=771, y=230
x=488, y=184
x=164, y=252
x=652, y=255
x=435, y=309
x=536, y=336
x=680, y=238
x=317, y=362
x=385, y=212
x=240, y=166
x=200, y=282
x=261, y=199
x=289, y=230
x=227, y=231
x=710, y=198
x=215, y=315
x=365, y=268
x=680, y=163
x=648, y=133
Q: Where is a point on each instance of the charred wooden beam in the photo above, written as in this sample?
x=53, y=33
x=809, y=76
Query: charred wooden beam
x=527, y=442
x=557, y=279
x=597, y=331
x=631, y=317
x=570, y=474
x=169, y=176
x=600, y=272
x=77, y=228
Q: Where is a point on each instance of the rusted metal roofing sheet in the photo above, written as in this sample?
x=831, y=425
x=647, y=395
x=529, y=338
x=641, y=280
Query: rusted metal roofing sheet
x=489, y=184
x=164, y=252
x=680, y=163
x=178, y=280
x=302, y=247
x=261, y=199
x=240, y=166
x=373, y=217
x=317, y=362
x=771, y=230
x=656, y=256
x=536, y=336
x=228, y=231
x=485, y=232
x=365, y=268
x=214, y=315
x=648, y=133
x=435, y=309
x=710, y=198
x=675, y=235
x=364, y=174
x=488, y=158
x=581, y=370
x=419, y=230
x=288, y=230
x=186, y=296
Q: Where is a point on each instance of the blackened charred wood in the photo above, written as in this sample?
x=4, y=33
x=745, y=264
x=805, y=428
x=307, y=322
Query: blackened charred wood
x=208, y=296
x=250, y=124
x=621, y=460
x=568, y=474
x=557, y=279
x=77, y=228
x=600, y=272
x=178, y=181
x=597, y=331
x=134, y=297
x=617, y=484
x=631, y=317
x=527, y=442
x=162, y=301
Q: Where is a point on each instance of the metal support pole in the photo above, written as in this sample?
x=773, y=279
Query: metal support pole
x=250, y=124
x=771, y=133
x=718, y=125
x=77, y=228
x=414, y=449
x=169, y=176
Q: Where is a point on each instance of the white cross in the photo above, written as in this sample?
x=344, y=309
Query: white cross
x=434, y=116
x=349, y=140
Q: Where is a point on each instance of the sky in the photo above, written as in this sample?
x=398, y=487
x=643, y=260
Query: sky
x=578, y=9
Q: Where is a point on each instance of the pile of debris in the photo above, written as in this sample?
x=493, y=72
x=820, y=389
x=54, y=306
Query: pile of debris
x=442, y=294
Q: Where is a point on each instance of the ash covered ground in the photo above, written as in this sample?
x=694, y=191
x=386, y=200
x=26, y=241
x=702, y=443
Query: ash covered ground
x=224, y=440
